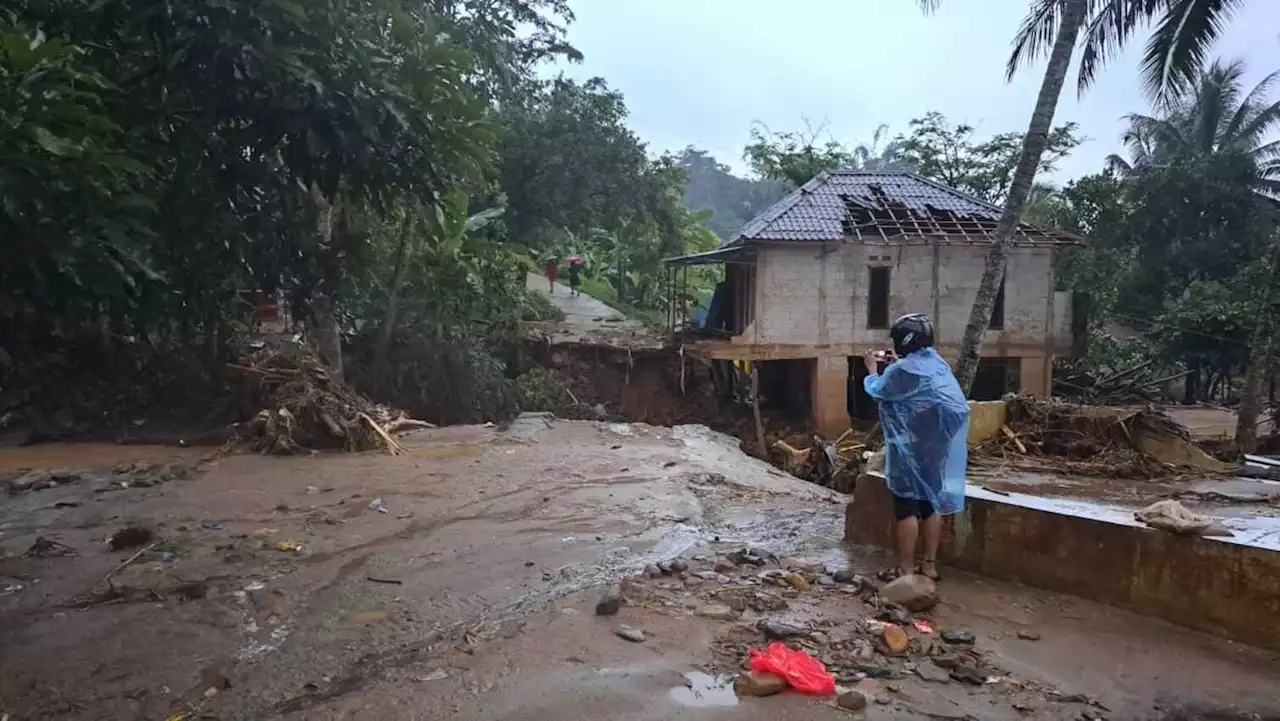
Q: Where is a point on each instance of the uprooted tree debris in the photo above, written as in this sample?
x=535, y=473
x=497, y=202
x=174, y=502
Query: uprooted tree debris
x=1092, y=440
x=1139, y=383
x=303, y=406
x=834, y=464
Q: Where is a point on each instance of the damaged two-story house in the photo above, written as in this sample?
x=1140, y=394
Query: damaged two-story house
x=818, y=278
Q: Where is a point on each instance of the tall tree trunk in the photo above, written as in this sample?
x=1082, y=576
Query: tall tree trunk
x=1259, y=360
x=1024, y=175
x=324, y=319
x=382, y=347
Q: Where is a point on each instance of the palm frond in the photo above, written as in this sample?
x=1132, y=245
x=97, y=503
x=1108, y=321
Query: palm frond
x=1256, y=99
x=1118, y=165
x=1176, y=53
x=1112, y=23
x=1035, y=35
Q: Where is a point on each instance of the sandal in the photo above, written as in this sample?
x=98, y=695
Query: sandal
x=935, y=576
x=892, y=573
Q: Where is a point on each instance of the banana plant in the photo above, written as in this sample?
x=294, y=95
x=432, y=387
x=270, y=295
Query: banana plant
x=442, y=233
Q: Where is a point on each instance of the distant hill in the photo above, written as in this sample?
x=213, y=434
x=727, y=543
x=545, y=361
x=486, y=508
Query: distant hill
x=733, y=201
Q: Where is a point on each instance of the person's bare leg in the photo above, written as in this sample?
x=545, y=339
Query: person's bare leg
x=932, y=533
x=908, y=530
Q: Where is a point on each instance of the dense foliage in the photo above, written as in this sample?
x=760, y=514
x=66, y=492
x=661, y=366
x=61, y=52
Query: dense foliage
x=388, y=167
x=394, y=169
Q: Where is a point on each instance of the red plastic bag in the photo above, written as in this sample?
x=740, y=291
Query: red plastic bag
x=801, y=671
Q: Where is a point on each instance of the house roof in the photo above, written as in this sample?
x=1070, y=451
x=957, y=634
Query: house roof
x=881, y=207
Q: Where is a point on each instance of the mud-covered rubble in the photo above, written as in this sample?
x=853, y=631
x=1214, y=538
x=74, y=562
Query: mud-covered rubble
x=872, y=645
x=122, y=477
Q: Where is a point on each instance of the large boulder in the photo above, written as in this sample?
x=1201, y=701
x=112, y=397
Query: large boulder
x=915, y=592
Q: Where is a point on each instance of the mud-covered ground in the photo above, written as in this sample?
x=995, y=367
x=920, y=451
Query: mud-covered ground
x=278, y=588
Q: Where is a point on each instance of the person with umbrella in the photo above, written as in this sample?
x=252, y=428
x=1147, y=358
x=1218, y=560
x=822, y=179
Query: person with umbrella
x=575, y=274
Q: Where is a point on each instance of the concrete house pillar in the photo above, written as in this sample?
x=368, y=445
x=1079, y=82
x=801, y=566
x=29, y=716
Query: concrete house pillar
x=830, y=389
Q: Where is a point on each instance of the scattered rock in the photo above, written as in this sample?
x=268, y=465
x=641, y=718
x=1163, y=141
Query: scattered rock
x=893, y=613
x=959, y=637
x=853, y=700
x=678, y=566
x=895, y=639
x=1027, y=634
x=652, y=571
x=130, y=537
x=915, y=592
x=844, y=575
x=930, y=671
x=778, y=631
x=724, y=565
x=759, y=684
x=717, y=612
x=798, y=582
x=826, y=581
x=628, y=633
x=767, y=602
x=877, y=670
x=610, y=603
x=33, y=480
x=750, y=557
x=968, y=674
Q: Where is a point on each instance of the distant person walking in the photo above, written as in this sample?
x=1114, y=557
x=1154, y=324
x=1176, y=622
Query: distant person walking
x=575, y=276
x=551, y=274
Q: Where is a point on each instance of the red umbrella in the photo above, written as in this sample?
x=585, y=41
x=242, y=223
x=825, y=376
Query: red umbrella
x=574, y=260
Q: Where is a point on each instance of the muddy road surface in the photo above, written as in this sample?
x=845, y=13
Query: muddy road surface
x=462, y=581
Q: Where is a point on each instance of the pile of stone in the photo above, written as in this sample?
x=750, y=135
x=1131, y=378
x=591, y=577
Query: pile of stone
x=888, y=639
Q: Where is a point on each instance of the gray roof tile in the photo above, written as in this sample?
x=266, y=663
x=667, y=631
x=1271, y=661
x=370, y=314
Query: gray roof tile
x=857, y=205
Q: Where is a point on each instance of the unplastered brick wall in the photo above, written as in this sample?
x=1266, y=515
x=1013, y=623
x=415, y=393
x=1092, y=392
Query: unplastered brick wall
x=814, y=295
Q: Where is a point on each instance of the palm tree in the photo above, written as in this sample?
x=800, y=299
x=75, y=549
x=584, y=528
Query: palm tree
x=1176, y=53
x=1069, y=18
x=1215, y=117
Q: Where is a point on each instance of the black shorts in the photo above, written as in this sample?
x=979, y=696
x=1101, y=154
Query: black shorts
x=574, y=281
x=904, y=508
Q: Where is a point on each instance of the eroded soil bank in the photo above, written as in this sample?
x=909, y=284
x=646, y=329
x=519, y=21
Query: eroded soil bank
x=278, y=588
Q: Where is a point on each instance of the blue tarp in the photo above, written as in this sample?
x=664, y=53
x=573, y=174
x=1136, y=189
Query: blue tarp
x=925, y=418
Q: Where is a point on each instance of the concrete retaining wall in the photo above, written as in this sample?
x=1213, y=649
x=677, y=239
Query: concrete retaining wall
x=1228, y=589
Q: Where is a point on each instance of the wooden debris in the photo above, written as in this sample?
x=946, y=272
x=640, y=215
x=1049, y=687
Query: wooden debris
x=1014, y=437
x=305, y=407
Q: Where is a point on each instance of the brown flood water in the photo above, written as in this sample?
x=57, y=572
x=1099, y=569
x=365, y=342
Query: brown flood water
x=88, y=456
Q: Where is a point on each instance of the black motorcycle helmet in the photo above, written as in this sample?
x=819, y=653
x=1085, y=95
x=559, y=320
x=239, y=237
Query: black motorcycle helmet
x=910, y=333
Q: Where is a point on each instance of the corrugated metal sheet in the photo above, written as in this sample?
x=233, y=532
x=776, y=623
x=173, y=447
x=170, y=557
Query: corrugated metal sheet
x=881, y=207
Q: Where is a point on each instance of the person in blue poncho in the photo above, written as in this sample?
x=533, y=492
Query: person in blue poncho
x=925, y=419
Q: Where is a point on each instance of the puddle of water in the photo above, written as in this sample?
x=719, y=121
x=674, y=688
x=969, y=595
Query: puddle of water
x=703, y=690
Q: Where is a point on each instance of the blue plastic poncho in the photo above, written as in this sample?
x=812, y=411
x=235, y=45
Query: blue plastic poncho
x=925, y=418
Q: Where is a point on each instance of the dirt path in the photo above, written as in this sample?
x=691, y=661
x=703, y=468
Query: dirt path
x=581, y=312
x=473, y=595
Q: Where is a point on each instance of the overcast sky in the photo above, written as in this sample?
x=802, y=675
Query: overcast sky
x=701, y=72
